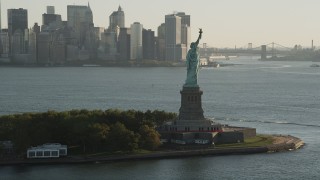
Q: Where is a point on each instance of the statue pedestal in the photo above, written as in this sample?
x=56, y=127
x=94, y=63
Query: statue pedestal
x=191, y=118
x=191, y=105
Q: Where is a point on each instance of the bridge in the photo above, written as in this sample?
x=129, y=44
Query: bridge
x=271, y=49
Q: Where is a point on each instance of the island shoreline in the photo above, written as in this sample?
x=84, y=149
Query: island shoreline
x=281, y=143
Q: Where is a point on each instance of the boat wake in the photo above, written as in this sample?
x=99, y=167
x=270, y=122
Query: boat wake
x=267, y=122
x=275, y=67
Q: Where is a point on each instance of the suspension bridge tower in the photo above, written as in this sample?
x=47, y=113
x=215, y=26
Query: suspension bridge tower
x=263, y=52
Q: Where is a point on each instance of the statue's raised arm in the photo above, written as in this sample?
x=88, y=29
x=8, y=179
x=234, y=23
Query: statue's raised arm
x=199, y=37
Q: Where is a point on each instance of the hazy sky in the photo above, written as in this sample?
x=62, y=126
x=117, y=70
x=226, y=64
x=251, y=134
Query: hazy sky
x=225, y=23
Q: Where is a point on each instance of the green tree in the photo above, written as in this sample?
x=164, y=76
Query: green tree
x=97, y=135
x=150, y=138
x=93, y=130
x=79, y=132
x=120, y=138
x=160, y=117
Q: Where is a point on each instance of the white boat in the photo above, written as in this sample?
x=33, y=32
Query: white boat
x=215, y=58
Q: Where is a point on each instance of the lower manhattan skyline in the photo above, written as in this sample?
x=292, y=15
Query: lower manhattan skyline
x=227, y=23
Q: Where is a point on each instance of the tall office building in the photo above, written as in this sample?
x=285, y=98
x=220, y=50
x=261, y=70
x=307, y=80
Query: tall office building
x=50, y=10
x=17, y=24
x=50, y=17
x=185, y=19
x=160, y=45
x=136, y=41
x=33, y=45
x=43, y=53
x=51, y=21
x=98, y=31
x=148, y=44
x=17, y=20
x=4, y=42
x=124, y=44
x=36, y=28
x=80, y=19
x=116, y=19
x=186, y=35
x=185, y=29
x=173, y=37
x=108, y=46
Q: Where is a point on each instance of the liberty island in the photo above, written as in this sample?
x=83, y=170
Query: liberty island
x=217, y=105
x=192, y=128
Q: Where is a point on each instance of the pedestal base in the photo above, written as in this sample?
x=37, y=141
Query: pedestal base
x=191, y=105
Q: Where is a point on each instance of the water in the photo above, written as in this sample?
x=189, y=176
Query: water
x=274, y=97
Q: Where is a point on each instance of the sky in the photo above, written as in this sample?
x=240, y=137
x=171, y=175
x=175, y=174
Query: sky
x=225, y=23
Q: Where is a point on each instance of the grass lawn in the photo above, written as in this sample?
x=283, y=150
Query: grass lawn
x=259, y=140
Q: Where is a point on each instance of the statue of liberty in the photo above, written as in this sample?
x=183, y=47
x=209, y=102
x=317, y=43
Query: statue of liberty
x=193, y=63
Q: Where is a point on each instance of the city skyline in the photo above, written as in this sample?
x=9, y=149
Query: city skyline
x=226, y=24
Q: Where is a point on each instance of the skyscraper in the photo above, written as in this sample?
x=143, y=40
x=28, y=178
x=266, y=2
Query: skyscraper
x=173, y=37
x=148, y=44
x=80, y=19
x=52, y=21
x=185, y=29
x=17, y=24
x=186, y=35
x=98, y=32
x=17, y=19
x=185, y=19
x=4, y=42
x=50, y=10
x=116, y=19
x=43, y=42
x=124, y=44
x=109, y=45
x=136, y=41
x=161, y=53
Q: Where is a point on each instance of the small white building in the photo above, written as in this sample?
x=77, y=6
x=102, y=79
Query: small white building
x=50, y=150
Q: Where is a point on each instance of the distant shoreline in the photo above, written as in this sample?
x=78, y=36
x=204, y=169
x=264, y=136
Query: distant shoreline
x=145, y=63
x=124, y=65
x=294, y=59
x=281, y=143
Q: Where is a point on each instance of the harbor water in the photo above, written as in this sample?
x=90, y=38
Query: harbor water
x=274, y=97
